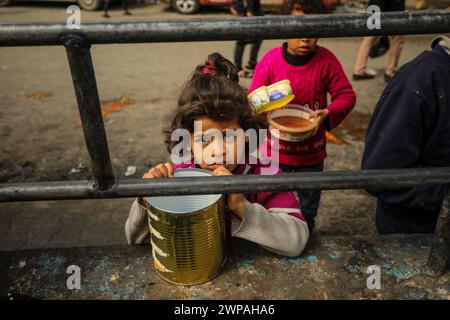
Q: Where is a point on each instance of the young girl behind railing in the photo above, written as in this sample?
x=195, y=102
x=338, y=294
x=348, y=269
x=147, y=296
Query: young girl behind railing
x=214, y=98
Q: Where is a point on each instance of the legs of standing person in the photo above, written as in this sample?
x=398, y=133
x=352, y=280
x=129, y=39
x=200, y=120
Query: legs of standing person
x=394, y=5
x=360, y=70
x=253, y=55
x=238, y=54
x=254, y=8
x=125, y=7
x=396, y=47
x=105, y=8
x=309, y=199
x=396, y=42
x=238, y=8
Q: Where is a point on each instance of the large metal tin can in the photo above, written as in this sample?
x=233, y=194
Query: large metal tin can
x=188, y=234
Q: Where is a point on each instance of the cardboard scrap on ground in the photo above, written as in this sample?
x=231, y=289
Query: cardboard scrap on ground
x=38, y=95
x=114, y=106
x=333, y=139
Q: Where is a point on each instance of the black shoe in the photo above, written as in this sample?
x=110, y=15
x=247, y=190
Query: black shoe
x=251, y=65
x=245, y=74
x=388, y=78
x=127, y=13
x=363, y=76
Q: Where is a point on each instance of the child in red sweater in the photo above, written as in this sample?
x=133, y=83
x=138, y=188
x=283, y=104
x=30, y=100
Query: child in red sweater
x=313, y=72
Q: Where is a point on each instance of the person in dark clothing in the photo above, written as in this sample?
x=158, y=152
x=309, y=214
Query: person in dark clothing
x=106, y=7
x=253, y=9
x=410, y=128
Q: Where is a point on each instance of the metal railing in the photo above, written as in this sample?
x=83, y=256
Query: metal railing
x=105, y=185
x=267, y=27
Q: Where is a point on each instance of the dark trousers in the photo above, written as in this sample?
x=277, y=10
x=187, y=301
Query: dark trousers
x=239, y=52
x=389, y=5
x=253, y=6
x=124, y=5
x=394, y=219
x=309, y=199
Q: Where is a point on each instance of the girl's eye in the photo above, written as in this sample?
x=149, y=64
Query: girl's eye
x=198, y=139
x=229, y=137
x=206, y=139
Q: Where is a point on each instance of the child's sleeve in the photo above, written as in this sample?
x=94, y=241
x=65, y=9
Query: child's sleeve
x=137, y=230
x=261, y=77
x=280, y=230
x=343, y=97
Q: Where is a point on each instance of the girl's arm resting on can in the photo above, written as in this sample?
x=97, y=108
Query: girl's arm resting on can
x=137, y=230
x=272, y=229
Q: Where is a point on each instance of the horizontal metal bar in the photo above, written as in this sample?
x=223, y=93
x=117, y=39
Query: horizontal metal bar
x=126, y=188
x=267, y=27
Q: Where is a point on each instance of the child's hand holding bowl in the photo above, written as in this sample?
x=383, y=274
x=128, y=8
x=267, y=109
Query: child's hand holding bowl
x=322, y=115
x=235, y=201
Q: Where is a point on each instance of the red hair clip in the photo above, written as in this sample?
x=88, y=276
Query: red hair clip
x=209, y=68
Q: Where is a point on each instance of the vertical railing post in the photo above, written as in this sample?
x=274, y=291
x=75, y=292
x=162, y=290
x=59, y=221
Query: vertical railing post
x=440, y=249
x=83, y=76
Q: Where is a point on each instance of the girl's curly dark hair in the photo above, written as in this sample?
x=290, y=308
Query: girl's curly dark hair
x=213, y=92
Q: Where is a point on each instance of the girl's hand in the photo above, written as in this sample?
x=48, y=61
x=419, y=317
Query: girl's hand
x=235, y=202
x=162, y=170
x=321, y=115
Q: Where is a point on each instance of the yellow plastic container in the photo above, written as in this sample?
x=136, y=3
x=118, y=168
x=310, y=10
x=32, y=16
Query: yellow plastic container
x=268, y=98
